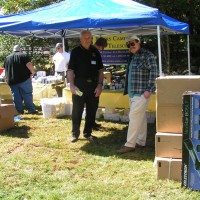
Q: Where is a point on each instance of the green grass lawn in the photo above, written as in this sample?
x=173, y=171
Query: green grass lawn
x=38, y=161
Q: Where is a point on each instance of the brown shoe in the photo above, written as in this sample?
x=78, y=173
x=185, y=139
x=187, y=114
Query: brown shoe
x=138, y=146
x=125, y=149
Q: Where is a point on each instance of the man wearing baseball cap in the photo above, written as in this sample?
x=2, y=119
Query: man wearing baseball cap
x=18, y=71
x=140, y=84
x=61, y=61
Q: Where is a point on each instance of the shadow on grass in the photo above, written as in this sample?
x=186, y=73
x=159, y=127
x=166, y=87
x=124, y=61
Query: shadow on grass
x=19, y=132
x=108, y=145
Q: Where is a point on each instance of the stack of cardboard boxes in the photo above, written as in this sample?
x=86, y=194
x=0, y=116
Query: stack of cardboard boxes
x=7, y=109
x=169, y=136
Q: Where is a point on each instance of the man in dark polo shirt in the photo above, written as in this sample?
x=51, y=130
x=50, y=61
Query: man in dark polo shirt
x=18, y=72
x=85, y=74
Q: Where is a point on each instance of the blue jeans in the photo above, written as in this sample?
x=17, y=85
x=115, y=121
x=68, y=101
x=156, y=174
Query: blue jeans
x=23, y=92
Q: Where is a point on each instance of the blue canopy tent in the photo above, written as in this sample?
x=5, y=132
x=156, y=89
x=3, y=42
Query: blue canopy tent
x=67, y=18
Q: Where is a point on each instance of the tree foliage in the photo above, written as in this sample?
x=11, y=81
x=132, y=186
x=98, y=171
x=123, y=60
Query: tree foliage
x=17, y=6
x=174, y=47
x=7, y=42
x=186, y=11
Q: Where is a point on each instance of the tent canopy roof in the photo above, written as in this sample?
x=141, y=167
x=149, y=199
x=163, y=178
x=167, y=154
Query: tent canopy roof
x=102, y=17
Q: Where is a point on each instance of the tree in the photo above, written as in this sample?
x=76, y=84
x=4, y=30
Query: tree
x=11, y=7
x=187, y=11
x=7, y=42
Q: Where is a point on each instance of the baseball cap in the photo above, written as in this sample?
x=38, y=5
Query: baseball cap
x=132, y=37
x=16, y=48
x=59, y=45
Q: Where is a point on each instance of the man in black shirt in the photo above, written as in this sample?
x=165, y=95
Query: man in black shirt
x=85, y=74
x=18, y=72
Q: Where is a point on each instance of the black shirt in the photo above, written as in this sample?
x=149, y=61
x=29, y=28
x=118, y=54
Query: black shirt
x=16, y=70
x=85, y=62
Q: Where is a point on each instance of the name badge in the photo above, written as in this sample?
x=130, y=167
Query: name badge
x=93, y=62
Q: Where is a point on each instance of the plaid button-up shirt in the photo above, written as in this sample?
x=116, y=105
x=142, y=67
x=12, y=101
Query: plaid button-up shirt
x=143, y=73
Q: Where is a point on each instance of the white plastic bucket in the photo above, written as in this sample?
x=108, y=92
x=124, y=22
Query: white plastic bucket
x=68, y=109
x=53, y=107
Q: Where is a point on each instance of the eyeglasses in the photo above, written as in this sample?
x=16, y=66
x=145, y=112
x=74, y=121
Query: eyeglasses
x=132, y=44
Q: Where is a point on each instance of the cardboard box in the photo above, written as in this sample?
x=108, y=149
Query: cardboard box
x=191, y=164
x=7, y=113
x=5, y=92
x=169, y=119
x=191, y=112
x=168, y=145
x=168, y=168
x=191, y=141
x=6, y=101
x=191, y=115
x=169, y=101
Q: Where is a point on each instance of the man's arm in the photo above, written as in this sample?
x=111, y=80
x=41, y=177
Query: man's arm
x=31, y=68
x=100, y=83
x=101, y=77
x=153, y=73
x=70, y=75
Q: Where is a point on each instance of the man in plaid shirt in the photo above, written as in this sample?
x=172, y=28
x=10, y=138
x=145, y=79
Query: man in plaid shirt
x=140, y=84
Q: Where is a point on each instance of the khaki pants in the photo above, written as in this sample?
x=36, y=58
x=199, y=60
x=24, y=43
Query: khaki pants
x=137, y=129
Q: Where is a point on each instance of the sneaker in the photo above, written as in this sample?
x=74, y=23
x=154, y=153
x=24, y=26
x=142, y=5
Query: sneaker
x=125, y=149
x=74, y=139
x=91, y=137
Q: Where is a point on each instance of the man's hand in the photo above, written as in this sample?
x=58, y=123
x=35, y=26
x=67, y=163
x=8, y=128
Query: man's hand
x=73, y=89
x=98, y=90
x=147, y=94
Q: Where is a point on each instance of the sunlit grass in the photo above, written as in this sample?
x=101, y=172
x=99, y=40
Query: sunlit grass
x=38, y=161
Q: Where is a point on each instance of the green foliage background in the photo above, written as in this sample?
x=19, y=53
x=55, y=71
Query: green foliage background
x=186, y=11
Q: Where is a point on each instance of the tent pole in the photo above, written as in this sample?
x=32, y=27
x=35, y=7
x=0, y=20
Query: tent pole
x=63, y=40
x=188, y=47
x=159, y=51
x=63, y=43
